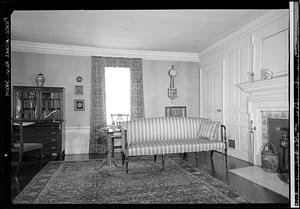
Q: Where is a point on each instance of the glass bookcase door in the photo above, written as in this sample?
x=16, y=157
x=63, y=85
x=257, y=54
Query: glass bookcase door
x=26, y=105
x=51, y=105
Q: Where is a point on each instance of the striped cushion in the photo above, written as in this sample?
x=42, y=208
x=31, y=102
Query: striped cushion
x=173, y=146
x=162, y=128
x=208, y=130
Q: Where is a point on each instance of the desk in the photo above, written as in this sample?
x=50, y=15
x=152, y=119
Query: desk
x=110, y=156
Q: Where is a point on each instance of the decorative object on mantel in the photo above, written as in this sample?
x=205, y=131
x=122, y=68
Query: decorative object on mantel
x=251, y=76
x=79, y=104
x=269, y=158
x=78, y=90
x=40, y=80
x=266, y=74
x=268, y=86
x=78, y=79
x=172, y=91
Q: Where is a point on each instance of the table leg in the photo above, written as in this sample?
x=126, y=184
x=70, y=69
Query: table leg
x=112, y=147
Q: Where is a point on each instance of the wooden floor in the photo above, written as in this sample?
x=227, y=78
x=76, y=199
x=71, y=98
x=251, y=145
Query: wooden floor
x=252, y=191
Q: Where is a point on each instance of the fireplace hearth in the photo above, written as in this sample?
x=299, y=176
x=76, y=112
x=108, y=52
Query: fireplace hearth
x=275, y=126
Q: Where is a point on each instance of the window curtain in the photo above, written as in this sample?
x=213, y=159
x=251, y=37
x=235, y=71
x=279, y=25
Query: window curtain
x=98, y=107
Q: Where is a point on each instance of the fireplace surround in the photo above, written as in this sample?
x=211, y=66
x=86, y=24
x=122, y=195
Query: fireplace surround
x=265, y=98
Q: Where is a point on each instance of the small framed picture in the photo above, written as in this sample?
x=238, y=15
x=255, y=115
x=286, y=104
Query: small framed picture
x=79, y=104
x=175, y=111
x=78, y=90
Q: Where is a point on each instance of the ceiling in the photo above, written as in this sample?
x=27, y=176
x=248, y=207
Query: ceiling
x=152, y=30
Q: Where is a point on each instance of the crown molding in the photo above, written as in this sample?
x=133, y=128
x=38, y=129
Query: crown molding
x=46, y=48
x=244, y=31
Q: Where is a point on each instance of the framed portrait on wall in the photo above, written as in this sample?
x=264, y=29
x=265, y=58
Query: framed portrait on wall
x=79, y=104
x=78, y=90
x=175, y=111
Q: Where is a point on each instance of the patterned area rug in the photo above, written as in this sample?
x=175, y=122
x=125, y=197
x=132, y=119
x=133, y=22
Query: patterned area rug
x=86, y=183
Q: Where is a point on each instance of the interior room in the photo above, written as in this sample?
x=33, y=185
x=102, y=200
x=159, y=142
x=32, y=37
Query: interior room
x=152, y=106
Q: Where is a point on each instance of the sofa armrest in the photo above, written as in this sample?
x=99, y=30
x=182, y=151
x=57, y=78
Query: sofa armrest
x=223, y=134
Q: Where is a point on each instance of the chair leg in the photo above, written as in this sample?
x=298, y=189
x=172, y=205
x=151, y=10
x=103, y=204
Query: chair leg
x=18, y=189
x=196, y=158
x=211, y=153
x=154, y=159
x=123, y=158
x=41, y=159
x=126, y=159
x=163, y=161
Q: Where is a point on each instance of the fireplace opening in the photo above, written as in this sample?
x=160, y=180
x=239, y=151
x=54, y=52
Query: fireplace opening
x=278, y=131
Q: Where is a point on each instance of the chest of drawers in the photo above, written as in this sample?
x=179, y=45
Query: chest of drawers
x=49, y=135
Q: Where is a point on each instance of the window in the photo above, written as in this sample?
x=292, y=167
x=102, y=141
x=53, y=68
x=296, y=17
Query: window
x=117, y=91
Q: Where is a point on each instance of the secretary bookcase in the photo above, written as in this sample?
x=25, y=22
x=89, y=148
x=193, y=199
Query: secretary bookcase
x=45, y=107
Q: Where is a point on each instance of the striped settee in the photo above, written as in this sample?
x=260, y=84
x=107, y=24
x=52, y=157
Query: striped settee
x=166, y=135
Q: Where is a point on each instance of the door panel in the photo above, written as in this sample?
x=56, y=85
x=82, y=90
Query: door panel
x=236, y=117
x=211, y=79
x=219, y=93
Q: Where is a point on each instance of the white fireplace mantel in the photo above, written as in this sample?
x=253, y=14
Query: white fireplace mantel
x=264, y=95
x=271, y=90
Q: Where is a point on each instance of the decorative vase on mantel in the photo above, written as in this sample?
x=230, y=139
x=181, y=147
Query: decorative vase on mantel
x=40, y=80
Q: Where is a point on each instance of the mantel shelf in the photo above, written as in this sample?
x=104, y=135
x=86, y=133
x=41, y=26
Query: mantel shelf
x=265, y=86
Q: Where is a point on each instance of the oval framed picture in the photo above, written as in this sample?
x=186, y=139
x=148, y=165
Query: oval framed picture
x=79, y=79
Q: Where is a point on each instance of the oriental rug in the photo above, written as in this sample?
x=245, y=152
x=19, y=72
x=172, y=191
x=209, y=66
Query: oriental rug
x=84, y=182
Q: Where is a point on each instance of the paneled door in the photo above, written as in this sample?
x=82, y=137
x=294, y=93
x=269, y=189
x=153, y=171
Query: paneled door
x=211, y=98
x=237, y=67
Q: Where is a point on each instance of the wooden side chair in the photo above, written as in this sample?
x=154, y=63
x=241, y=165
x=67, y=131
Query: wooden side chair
x=18, y=148
x=118, y=120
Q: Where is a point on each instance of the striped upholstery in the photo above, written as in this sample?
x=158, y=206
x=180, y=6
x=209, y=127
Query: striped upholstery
x=208, y=130
x=173, y=146
x=164, y=135
x=157, y=129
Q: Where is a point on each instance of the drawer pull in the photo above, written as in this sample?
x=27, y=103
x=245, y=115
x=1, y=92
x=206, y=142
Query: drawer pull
x=53, y=132
x=54, y=154
x=53, y=148
x=53, y=140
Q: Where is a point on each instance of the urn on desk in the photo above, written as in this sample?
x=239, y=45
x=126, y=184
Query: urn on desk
x=40, y=80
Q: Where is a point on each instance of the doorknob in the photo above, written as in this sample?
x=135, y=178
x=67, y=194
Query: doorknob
x=218, y=110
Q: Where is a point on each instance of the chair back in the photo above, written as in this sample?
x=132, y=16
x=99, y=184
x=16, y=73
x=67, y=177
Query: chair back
x=19, y=149
x=119, y=119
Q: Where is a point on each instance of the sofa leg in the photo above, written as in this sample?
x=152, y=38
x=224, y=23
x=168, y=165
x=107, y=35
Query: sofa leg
x=154, y=158
x=184, y=157
x=126, y=159
x=226, y=159
x=196, y=158
x=163, y=161
x=212, y=159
